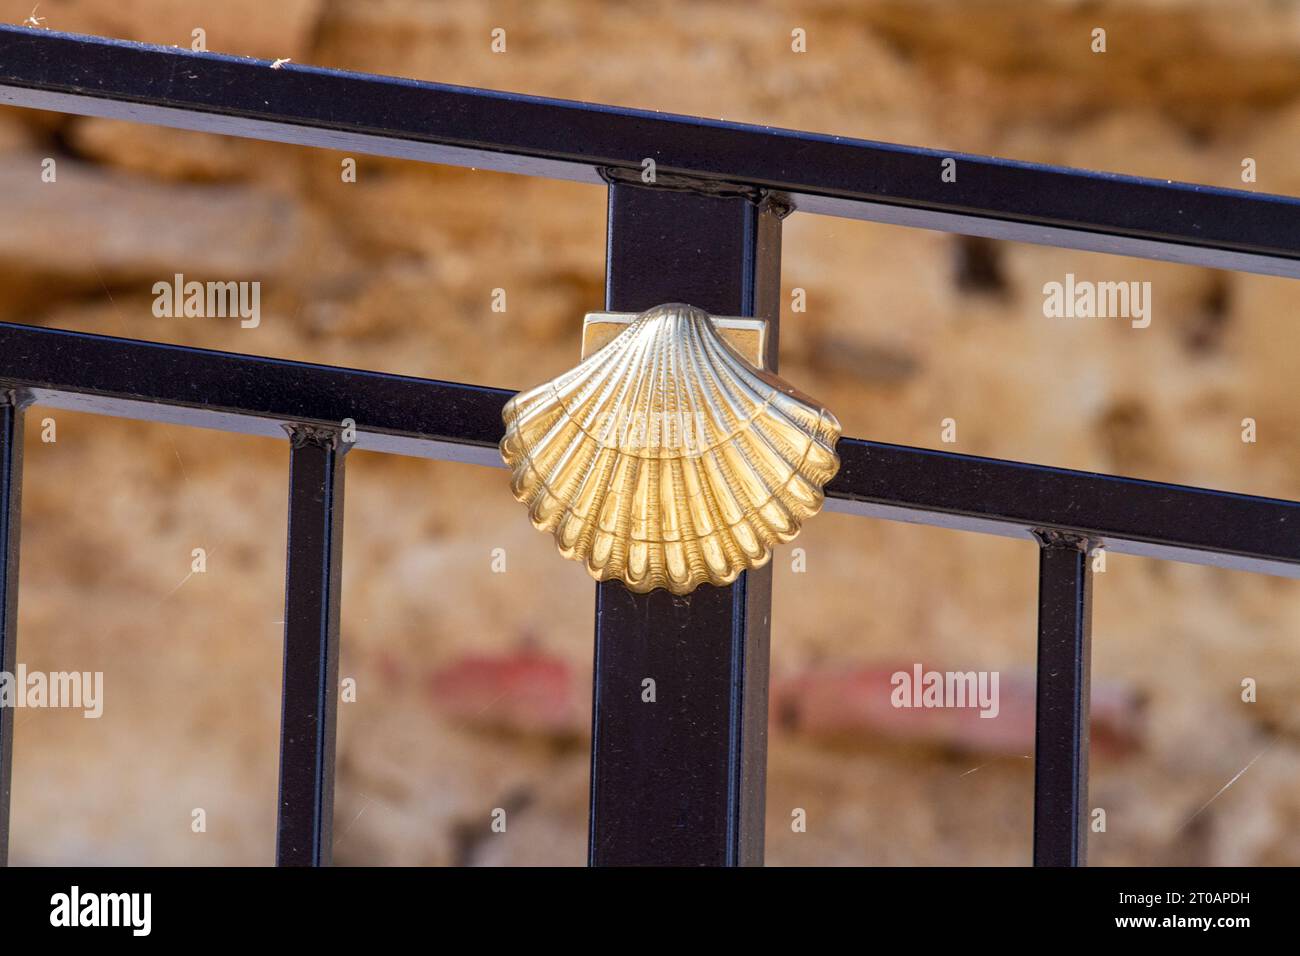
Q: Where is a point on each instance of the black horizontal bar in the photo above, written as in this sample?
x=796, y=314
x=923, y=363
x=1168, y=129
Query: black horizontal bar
x=434, y=122
x=444, y=420
x=1124, y=515
x=249, y=394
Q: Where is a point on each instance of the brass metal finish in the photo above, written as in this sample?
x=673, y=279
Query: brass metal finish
x=747, y=336
x=665, y=459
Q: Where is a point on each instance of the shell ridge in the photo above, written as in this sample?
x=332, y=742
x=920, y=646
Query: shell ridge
x=532, y=487
x=558, y=475
x=706, y=373
x=701, y=569
x=616, y=385
x=616, y=381
x=695, y=373
x=637, y=383
x=769, y=395
x=771, y=470
x=591, y=493
x=720, y=375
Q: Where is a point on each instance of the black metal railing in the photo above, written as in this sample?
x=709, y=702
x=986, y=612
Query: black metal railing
x=682, y=783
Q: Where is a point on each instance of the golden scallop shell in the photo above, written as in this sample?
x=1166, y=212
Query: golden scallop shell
x=665, y=460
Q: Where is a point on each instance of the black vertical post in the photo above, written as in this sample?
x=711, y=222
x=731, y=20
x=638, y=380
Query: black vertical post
x=12, y=403
x=311, y=647
x=1061, y=720
x=681, y=781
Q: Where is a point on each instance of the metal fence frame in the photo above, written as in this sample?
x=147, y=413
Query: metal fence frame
x=681, y=783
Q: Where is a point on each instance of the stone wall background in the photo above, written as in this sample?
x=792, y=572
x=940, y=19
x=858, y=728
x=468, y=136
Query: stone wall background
x=473, y=687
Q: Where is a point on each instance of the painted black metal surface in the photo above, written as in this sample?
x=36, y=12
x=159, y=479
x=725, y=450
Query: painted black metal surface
x=556, y=138
x=311, y=647
x=251, y=394
x=445, y=420
x=1127, y=515
x=11, y=488
x=681, y=780
x=1061, y=718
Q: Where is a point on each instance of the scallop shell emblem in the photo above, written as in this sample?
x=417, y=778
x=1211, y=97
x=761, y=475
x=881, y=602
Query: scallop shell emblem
x=665, y=460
